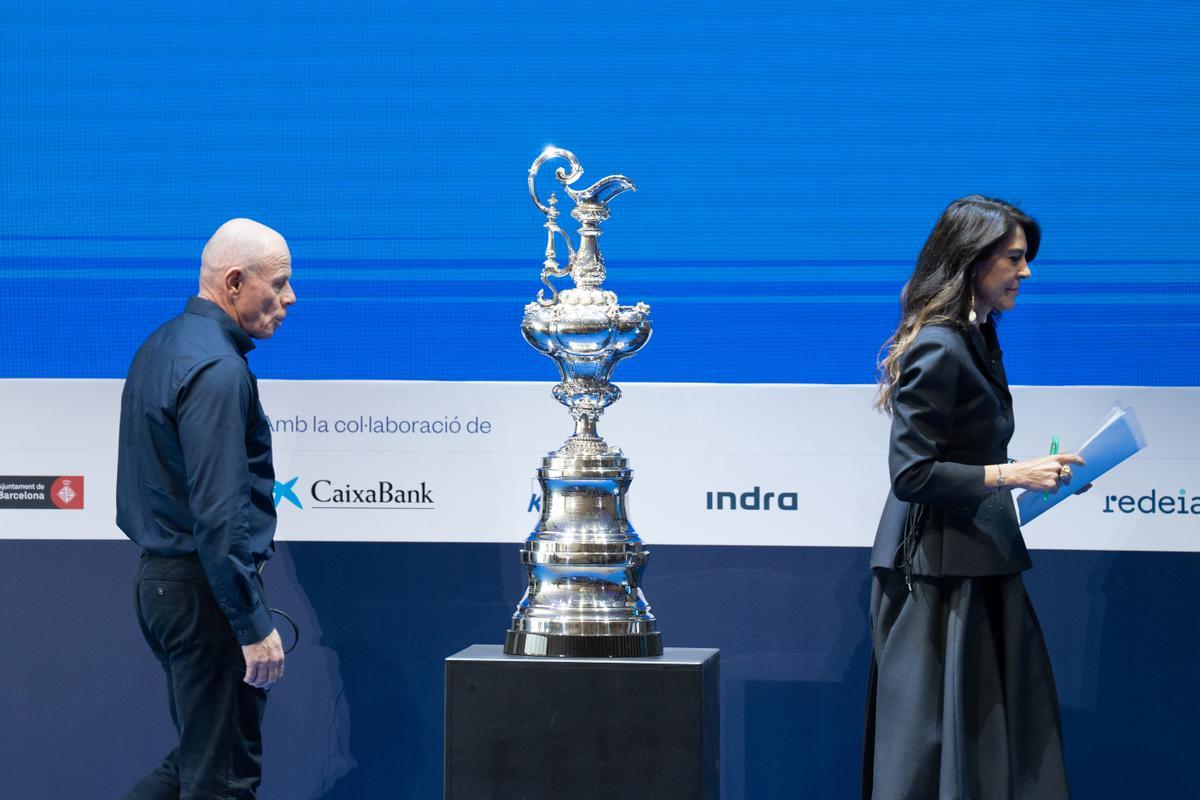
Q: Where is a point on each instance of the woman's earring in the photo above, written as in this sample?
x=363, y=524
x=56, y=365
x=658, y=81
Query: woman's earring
x=971, y=315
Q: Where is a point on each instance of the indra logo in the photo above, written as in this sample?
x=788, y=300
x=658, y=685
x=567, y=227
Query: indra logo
x=754, y=500
x=1153, y=503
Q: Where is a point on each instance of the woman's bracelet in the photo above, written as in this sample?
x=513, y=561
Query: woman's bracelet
x=999, y=478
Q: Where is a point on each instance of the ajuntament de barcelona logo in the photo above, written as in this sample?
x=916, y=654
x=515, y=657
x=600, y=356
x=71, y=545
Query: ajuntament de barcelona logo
x=63, y=492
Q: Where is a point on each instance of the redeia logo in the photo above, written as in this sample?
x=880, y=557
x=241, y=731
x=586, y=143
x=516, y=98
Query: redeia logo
x=1153, y=503
x=753, y=500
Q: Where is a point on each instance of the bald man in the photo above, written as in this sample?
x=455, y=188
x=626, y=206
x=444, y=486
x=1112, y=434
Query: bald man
x=194, y=489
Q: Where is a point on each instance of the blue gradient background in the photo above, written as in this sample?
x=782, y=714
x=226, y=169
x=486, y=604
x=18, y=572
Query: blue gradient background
x=790, y=161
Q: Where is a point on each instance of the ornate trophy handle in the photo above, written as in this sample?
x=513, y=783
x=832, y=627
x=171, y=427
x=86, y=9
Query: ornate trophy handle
x=564, y=177
x=550, y=268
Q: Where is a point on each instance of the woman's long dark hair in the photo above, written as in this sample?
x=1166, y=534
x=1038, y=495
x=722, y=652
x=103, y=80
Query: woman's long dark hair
x=942, y=286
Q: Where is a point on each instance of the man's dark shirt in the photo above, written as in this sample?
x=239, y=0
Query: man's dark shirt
x=194, y=471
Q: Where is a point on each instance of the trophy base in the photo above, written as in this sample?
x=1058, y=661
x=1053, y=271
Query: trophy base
x=628, y=645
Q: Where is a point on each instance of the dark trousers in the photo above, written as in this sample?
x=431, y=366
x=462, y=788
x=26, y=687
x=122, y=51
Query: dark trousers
x=218, y=717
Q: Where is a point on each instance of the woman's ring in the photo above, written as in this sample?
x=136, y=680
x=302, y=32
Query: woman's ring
x=1064, y=474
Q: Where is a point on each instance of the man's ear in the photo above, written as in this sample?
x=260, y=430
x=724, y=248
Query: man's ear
x=234, y=276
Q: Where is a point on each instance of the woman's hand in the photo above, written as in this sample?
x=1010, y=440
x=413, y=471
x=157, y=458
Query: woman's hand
x=1039, y=474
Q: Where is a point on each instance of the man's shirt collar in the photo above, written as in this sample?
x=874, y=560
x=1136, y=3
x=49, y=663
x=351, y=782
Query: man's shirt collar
x=207, y=308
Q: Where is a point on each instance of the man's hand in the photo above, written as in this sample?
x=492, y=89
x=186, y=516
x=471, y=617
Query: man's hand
x=264, y=661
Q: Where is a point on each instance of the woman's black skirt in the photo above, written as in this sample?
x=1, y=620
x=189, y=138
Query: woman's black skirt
x=961, y=703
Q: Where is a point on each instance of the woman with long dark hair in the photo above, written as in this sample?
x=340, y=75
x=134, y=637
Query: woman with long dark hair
x=961, y=701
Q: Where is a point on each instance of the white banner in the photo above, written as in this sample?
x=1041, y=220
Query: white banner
x=714, y=464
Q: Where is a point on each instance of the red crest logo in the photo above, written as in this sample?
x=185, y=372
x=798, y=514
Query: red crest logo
x=67, y=492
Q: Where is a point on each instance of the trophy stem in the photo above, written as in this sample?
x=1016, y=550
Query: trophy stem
x=585, y=426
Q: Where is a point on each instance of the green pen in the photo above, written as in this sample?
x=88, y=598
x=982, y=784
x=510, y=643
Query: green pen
x=1053, y=452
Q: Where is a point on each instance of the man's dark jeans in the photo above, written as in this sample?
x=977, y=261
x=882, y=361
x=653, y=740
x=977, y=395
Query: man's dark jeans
x=219, y=718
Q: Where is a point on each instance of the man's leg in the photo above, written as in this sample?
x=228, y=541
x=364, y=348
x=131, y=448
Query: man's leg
x=218, y=716
x=220, y=719
x=163, y=782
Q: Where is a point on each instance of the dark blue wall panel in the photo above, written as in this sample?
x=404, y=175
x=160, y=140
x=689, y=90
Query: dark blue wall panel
x=359, y=713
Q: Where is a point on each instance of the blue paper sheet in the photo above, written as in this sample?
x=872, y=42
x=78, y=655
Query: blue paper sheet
x=1117, y=438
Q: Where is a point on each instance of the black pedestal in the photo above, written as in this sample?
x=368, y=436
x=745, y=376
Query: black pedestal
x=525, y=728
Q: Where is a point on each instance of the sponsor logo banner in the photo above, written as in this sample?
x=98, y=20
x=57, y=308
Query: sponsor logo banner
x=379, y=495
x=713, y=463
x=41, y=491
x=1154, y=502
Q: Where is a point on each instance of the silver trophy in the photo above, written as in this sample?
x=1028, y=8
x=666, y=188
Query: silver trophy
x=584, y=558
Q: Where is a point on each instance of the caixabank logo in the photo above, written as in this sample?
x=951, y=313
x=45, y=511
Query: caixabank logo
x=1153, y=502
x=42, y=491
x=754, y=500
x=326, y=493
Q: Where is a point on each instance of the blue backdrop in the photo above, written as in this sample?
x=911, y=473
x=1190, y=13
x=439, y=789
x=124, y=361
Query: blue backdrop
x=790, y=161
